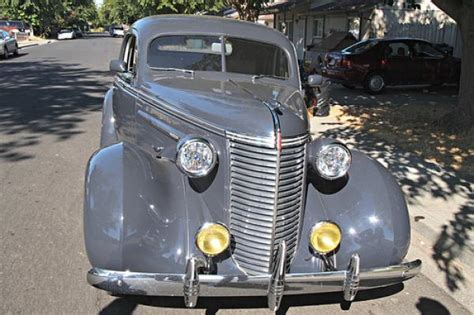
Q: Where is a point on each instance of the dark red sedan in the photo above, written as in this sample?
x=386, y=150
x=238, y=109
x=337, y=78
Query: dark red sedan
x=377, y=63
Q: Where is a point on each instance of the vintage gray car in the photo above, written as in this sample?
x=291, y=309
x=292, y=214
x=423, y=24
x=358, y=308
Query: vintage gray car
x=207, y=182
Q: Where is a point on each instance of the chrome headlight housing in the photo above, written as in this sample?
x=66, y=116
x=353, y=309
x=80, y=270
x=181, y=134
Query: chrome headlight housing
x=196, y=157
x=333, y=161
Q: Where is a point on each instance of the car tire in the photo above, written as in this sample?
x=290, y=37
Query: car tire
x=5, y=53
x=374, y=83
x=15, y=53
x=348, y=86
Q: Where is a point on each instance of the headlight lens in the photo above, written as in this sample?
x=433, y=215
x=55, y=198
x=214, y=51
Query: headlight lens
x=212, y=239
x=325, y=237
x=196, y=157
x=333, y=161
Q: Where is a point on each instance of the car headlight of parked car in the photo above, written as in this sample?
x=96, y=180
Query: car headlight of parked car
x=196, y=157
x=333, y=161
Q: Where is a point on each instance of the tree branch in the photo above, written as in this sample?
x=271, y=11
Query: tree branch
x=453, y=8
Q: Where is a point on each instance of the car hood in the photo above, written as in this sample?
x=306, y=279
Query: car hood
x=232, y=105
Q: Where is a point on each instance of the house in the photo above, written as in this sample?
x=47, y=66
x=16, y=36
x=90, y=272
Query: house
x=309, y=22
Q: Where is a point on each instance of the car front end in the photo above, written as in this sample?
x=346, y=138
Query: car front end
x=212, y=185
x=65, y=35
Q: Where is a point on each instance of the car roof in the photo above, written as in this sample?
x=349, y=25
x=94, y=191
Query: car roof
x=397, y=39
x=154, y=26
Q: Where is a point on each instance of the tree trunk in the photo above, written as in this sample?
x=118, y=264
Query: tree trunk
x=466, y=88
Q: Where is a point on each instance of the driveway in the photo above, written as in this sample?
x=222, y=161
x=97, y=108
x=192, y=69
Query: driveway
x=50, y=105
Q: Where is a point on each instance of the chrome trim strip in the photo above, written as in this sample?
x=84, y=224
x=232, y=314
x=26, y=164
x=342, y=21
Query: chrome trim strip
x=159, y=284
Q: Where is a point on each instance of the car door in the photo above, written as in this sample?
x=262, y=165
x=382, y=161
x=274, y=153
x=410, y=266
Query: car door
x=9, y=42
x=12, y=42
x=430, y=60
x=2, y=39
x=402, y=68
x=124, y=96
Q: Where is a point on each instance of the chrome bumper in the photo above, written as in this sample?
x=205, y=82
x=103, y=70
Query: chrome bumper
x=348, y=281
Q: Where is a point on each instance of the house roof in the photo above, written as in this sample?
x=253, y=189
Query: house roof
x=278, y=7
x=346, y=5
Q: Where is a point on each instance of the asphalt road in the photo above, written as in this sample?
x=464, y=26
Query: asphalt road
x=50, y=102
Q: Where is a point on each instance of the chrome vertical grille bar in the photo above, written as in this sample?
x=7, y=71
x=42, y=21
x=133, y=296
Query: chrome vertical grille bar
x=266, y=198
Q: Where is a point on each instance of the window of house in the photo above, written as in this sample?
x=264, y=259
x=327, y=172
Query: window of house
x=318, y=28
x=354, y=26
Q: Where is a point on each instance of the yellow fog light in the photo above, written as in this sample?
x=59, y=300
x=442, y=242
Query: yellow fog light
x=325, y=237
x=212, y=239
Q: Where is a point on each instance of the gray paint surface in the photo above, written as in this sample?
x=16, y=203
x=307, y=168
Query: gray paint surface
x=141, y=212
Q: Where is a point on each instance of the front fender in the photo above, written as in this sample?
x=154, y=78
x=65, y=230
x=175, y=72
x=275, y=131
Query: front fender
x=369, y=207
x=130, y=221
x=108, y=134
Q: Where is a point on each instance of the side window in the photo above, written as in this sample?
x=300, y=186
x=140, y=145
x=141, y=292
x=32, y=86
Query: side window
x=130, y=54
x=425, y=50
x=397, y=50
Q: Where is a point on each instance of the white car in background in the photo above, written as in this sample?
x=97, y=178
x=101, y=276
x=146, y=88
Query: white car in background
x=8, y=45
x=118, y=31
x=66, y=33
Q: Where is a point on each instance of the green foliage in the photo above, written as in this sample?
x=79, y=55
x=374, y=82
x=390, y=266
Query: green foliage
x=248, y=10
x=128, y=11
x=46, y=16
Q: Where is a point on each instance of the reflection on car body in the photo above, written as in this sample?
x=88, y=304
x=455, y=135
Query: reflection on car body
x=208, y=184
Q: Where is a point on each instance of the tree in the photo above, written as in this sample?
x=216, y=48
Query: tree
x=128, y=11
x=248, y=10
x=462, y=11
x=45, y=16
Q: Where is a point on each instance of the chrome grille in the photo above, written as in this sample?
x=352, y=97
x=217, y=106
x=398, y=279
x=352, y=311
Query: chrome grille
x=266, y=198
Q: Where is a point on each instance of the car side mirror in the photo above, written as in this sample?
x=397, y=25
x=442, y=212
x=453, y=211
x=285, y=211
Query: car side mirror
x=315, y=80
x=117, y=65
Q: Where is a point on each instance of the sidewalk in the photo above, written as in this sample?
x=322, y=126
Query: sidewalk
x=441, y=207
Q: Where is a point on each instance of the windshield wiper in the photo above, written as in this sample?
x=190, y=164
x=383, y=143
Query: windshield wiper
x=173, y=69
x=259, y=76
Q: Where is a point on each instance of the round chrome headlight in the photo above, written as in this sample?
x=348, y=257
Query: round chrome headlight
x=333, y=161
x=196, y=157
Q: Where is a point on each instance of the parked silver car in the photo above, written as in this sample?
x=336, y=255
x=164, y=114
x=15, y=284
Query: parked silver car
x=208, y=184
x=8, y=45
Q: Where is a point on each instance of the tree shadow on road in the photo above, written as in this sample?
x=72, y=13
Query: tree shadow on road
x=44, y=98
x=376, y=132
x=127, y=305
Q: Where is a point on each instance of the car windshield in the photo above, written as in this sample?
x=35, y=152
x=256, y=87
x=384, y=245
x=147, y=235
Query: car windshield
x=204, y=53
x=66, y=31
x=118, y=28
x=360, y=47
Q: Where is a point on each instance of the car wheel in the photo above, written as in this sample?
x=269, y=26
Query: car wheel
x=375, y=83
x=5, y=52
x=350, y=87
x=15, y=53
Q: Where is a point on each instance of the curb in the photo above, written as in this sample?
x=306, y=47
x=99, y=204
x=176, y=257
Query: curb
x=35, y=44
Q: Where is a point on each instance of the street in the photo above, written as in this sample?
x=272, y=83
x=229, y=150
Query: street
x=50, y=116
